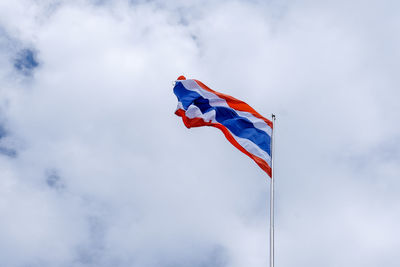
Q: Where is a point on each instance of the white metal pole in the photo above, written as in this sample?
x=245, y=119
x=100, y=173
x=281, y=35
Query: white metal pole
x=271, y=202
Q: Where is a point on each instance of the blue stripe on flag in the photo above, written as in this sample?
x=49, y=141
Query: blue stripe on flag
x=239, y=126
x=185, y=96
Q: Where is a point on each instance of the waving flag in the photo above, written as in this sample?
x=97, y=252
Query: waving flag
x=247, y=130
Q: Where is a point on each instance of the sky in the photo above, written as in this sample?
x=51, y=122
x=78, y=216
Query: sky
x=96, y=170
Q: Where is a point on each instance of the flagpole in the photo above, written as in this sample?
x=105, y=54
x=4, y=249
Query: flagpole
x=271, y=202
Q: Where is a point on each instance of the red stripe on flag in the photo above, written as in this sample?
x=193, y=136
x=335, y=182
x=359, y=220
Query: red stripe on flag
x=236, y=103
x=197, y=122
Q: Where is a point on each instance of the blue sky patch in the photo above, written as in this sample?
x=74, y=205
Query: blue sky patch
x=2, y=131
x=53, y=179
x=8, y=152
x=26, y=61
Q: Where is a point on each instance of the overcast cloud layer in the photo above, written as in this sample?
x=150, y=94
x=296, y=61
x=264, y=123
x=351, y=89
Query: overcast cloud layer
x=96, y=170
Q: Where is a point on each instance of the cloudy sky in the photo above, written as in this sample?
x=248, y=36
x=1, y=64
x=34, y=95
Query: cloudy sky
x=96, y=170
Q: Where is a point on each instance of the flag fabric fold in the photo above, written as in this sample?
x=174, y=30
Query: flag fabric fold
x=244, y=128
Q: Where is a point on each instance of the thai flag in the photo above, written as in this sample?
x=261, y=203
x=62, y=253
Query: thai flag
x=247, y=130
